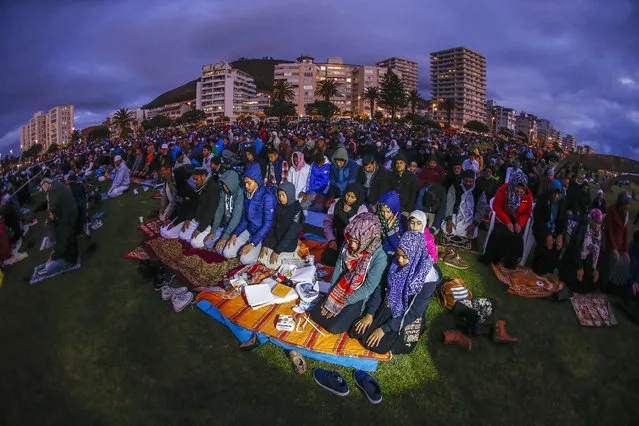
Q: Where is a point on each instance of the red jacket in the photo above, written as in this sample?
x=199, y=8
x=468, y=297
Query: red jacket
x=500, y=207
x=616, y=230
x=430, y=176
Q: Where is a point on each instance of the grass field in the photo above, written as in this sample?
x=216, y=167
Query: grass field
x=98, y=347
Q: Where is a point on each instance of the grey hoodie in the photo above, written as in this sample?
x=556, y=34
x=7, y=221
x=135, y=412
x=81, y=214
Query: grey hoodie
x=229, y=209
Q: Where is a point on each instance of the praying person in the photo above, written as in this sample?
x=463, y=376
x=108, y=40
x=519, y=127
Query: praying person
x=617, y=225
x=208, y=194
x=465, y=206
x=277, y=170
x=298, y=175
x=343, y=172
x=186, y=203
x=121, y=181
x=228, y=213
x=373, y=178
x=318, y=182
x=417, y=223
x=404, y=183
x=579, y=266
x=549, y=228
x=387, y=209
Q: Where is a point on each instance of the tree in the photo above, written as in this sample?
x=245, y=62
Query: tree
x=378, y=115
x=432, y=124
x=506, y=132
x=414, y=99
x=101, y=132
x=157, y=122
x=392, y=96
x=281, y=109
x=53, y=148
x=193, y=116
x=327, y=89
x=326, y=109
x=33, y=151
x=122, y=120
x=476, y=126
x=448, y=105
x=371, y=94
x=76, y=137
x=282, y=91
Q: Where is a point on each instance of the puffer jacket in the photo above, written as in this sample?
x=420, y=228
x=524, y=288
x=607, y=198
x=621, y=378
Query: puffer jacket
x=230, y=206
x=259, y=208
x=340, y=178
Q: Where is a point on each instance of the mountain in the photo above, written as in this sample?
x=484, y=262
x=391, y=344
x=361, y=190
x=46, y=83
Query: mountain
x=260, y=69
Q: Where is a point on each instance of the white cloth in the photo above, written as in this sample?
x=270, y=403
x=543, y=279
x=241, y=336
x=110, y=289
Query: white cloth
x=187, y=234
x=117, y=191
x=465, y=215
x=172, y=233
x=284, y=259
x=248, y=259
x=471, y=165
x=299, y=179
x=198, y=242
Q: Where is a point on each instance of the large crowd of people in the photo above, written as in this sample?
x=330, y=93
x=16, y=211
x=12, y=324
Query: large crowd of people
x=391, y=194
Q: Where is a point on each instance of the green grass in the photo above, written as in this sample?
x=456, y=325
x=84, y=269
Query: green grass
x=98, y=346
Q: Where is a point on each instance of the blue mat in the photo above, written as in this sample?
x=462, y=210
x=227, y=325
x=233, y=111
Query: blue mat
x=315, y=218
x=35, y=278
x=315, y=238
x=244, y=335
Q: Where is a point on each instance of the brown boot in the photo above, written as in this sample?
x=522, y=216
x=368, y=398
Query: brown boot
x=500, y=335
x=458, y=338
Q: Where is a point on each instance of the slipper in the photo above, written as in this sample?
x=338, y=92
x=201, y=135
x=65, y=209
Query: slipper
x=369, y=386
x=332, y=381
x=250, y=344
x=299, y=363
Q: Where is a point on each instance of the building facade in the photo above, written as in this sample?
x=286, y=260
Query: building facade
x=259, y=103
x=55, y=126
x=406, y=69
x=543, y=131
x=499, y=117
x=224, y=91
x=342, y=74
x=302, y=75
x=527, y=124
x=459, y=74
x=569, y=143
x=364, y=77
x=39, y=129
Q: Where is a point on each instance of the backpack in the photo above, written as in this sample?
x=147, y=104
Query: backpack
x=451, y=291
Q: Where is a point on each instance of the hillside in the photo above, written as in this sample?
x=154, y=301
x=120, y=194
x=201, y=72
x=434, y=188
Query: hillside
x=260, y=69
x=606, y=162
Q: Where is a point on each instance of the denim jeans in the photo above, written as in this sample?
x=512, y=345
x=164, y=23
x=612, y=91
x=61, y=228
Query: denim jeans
x=57, y=266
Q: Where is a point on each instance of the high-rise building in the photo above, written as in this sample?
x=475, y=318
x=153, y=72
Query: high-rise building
x=342, y=74
x=38, y=129
x=527, y=124
x=224, y=91
x=406, y=69
x=60, y=125
x=499, y=117
x=302, y=75
x=25, y=137
x=543, y=131
x=555, y=137
x=459, y=74
x=569, y=143
x=364, y=77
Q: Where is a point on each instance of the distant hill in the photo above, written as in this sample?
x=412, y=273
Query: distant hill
x=606, y=162
x=260, y=69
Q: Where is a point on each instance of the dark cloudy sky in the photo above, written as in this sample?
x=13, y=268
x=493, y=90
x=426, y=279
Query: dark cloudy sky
x=572, y=62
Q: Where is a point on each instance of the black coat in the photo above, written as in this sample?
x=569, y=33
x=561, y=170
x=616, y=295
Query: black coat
x=541, y=216
x=285, y=231
x=379, y=186
x=208, y=199
x=406, y=186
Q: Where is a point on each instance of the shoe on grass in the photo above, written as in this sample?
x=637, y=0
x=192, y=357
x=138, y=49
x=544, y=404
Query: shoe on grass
x=332, y=381
x=168, y=291
x=181, y=301
x=369, y=386
x=454, y=260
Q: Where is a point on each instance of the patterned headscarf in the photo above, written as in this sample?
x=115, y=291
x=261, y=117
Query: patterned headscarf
x=300, y=161
x=390, y=200
x=592, y=240
x=366, y=229
x=518, y=178
x=406, y=281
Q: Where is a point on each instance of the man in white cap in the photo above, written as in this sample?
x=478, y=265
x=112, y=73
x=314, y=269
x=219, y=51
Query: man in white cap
x=122, y=180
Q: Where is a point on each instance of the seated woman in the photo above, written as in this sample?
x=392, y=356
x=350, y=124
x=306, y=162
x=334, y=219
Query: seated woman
x=395, y=321
x=579, y=265
x=256, y=221
x=549, y=228
x=338, y=216
x=358, y=272
x=512, y=207
x=417, y=223
x=617, y=259
x=280, y=245
x=388, y=211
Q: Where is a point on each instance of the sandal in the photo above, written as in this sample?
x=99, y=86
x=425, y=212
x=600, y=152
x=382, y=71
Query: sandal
x=251, y=344
x=299, y=363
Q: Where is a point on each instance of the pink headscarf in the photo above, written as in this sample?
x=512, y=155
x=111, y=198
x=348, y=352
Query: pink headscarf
x=300, y=161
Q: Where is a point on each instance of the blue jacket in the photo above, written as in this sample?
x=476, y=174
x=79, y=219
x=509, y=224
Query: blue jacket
x=341, y=178
x=319, y=178
x=257, y=215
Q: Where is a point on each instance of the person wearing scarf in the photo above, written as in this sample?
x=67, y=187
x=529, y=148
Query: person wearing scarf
x=512, y=206
x=417, y=223
x=298, y=174
x=393, y=319
x=388, y=210
x=465, y=207
x=579, y=267
x=550, y=223
x=338, y=216
x=208, y=194
x=358, y=272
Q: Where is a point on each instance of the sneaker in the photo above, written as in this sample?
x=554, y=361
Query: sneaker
x=181, y=301
x=168, y=291
x=332, y=381
x=97, y=224
x=454, y=260
x=369, y=386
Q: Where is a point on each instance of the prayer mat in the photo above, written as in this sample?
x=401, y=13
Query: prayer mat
x=262, y=321
x=151, y=228
x=191, y=269
x=525, y=283
x=35, y=278
x=142, y=181
x=593, y=310
x=315, y=219
x=137, y=253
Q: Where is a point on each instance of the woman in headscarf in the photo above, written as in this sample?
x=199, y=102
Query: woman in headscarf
x=617, y=257
x=599, y=202
x=395, y=321
x=512, y=207
x=549, y=228
x=298, y=174
x=417, y=223
x=338, y=216
x=357, y=274
x=388, y=210
x=579, y=267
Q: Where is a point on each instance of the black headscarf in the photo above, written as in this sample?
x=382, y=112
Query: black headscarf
x=340, y=217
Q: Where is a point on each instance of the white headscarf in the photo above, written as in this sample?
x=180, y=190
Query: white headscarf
x=421, y=216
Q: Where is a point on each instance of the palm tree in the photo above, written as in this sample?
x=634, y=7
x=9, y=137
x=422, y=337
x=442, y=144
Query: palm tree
x=371, y=94
x=414, y=98
x=448, y=105
x=76, y=136
x=327, y=89
x=122, y=120
x=283, y=91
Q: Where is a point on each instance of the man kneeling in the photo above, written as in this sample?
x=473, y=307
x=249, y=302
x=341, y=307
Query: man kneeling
x=208, y=195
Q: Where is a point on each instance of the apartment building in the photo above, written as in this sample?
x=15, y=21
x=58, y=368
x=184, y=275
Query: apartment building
x=302, y=75
x=405, y=68
x=60, y=124
x=38, y=129
x=543, y=131
x=499, y=117
x=459, y=74
x=555, y=136
x=527, y=124
x=224, y=91
x=569, y=143
x=259, y=103
x=25, y=137
x=364, y=77
x=342, y=74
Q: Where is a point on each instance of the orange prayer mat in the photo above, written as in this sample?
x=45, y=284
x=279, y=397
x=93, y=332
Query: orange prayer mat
x=263, y=321
x=525, y=283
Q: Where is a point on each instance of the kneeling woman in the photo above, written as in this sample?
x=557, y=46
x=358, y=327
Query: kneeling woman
x=396, y=321
x=358, y=272
x=389, y=216
x=579, y=267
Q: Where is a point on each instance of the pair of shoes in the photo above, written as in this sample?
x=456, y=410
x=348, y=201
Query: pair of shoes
x=168, y=292
x=333, y=382
x=458, y=338
x=180, y=297
x=454, y=260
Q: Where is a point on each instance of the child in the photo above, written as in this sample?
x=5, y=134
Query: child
x=318, y=182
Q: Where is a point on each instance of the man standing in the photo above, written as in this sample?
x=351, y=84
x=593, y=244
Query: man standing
x=121, y=181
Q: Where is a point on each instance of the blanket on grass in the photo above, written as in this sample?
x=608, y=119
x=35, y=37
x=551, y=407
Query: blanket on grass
x=35, y=278
x=525, y=283
x=593, y=310
x=138, y=253
x=151, y=228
